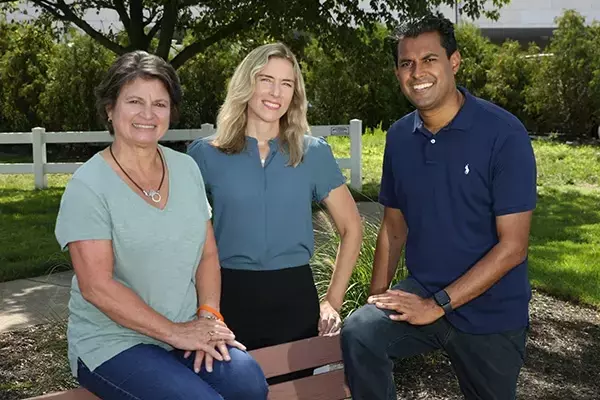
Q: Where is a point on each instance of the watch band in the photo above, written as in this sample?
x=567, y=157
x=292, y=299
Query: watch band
x=443, y=300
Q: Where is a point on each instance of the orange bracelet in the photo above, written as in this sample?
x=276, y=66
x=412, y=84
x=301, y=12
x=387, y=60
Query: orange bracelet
x=211, y=310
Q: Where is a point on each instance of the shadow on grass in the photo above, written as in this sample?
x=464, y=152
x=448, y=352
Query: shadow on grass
x=561, y=210
x=29, y=247
x=564, y=256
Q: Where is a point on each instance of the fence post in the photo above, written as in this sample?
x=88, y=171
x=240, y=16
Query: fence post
x=38, y=142
x=207, y=130
x=356, y=154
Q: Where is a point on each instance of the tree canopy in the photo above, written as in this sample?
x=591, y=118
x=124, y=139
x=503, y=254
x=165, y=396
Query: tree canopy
x=152, y=25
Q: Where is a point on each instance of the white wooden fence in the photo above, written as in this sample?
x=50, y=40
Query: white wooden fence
x=38, y=137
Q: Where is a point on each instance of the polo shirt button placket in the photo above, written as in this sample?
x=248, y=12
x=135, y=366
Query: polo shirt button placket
x=432, y=141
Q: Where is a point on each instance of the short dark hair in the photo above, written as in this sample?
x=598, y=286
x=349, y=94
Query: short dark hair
x=428, y=23
x=129, y=67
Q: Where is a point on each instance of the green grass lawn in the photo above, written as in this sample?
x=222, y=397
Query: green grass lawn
x=565, y=238
x=27, y=219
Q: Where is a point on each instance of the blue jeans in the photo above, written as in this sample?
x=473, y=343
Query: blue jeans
x=149, y=372
x=487, y=366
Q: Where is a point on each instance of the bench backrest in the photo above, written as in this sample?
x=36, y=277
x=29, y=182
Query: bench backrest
x=280, y=360
x=300, y=355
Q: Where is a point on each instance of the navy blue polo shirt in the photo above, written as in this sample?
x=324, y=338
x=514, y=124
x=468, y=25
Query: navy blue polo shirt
x=450, y=187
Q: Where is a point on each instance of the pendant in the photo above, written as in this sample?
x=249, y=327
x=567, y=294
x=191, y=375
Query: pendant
x=154, y=195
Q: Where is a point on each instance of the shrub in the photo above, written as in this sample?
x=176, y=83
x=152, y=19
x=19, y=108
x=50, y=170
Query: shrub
x=510, y=73
x=204, y=80
x=354, y=81
x=68, y=101
x=23, y=73
x=564, y=95
x=477, y=53
x=323, y=261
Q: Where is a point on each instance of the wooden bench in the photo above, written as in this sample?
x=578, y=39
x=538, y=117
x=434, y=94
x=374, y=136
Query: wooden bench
x=280, y=360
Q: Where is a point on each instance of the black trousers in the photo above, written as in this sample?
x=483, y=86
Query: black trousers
x=266, y=308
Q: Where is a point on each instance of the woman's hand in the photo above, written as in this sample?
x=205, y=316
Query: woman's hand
x=329, y=322
x=221, y=347
x=197, y=334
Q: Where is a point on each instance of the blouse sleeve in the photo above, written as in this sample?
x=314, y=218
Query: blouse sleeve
x=325, y=170
x=82, y=215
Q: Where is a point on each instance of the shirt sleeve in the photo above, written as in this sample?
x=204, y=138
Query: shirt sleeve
x=325, y=170
x=514, y=175
x=199, y=179
x=196, y=151
x=387, y=190
x=82, y=215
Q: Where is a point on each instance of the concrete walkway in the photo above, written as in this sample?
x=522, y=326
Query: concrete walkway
x=27, y=302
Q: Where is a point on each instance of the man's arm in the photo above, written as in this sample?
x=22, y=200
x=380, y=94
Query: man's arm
x=390, y=241
x=511, y=250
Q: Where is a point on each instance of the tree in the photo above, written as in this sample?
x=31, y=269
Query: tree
x=23, y=74
x=356, y=83
x=564, y=95
x=210, y=21
x=204, y=80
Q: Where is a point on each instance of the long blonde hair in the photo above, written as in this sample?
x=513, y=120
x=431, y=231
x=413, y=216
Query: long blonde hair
x=232, y=118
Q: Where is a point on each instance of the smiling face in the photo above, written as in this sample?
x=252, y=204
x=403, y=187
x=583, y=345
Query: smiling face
x=141, y=113
x=273, y=91
x=425, y=72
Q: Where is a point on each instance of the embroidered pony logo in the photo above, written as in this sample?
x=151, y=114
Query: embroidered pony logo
x=467, y=170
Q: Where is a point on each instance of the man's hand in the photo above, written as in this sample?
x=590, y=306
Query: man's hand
x=410, y=308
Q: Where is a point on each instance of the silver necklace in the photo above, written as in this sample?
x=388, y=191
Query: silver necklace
x=154, y=195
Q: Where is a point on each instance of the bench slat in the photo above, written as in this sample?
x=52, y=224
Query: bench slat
x=327, y=386
x=299, y=355
x=75, y=394
x=278, y=360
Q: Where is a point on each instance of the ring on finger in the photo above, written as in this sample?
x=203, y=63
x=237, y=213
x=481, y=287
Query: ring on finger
x=211, y=333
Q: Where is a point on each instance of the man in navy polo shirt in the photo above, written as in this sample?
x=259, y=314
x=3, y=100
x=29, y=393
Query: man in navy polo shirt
x=459, y=188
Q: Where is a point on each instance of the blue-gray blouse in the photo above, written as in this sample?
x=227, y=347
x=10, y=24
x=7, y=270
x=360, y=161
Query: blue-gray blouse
x=263, y=215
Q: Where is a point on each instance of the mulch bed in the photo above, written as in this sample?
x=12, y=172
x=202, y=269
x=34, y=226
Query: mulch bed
x=563, y=359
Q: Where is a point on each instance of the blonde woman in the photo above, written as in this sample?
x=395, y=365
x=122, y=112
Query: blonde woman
x=263, y=170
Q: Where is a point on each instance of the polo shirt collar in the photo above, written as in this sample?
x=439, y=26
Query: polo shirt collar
x=462, y=120
x=418, y=122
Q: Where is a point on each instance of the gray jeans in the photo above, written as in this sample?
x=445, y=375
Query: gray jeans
x=487, y=366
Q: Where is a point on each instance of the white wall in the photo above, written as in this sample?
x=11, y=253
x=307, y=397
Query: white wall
x=533, y=13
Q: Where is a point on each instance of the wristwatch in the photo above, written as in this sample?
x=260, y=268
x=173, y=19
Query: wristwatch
x=443, y=300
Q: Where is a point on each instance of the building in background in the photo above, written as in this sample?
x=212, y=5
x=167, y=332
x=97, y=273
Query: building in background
x=527, y=20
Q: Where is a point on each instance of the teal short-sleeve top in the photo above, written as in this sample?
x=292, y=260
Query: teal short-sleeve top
x=156, y=252
x=263, y=214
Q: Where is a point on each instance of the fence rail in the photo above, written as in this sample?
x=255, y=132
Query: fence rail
x=40, y=168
